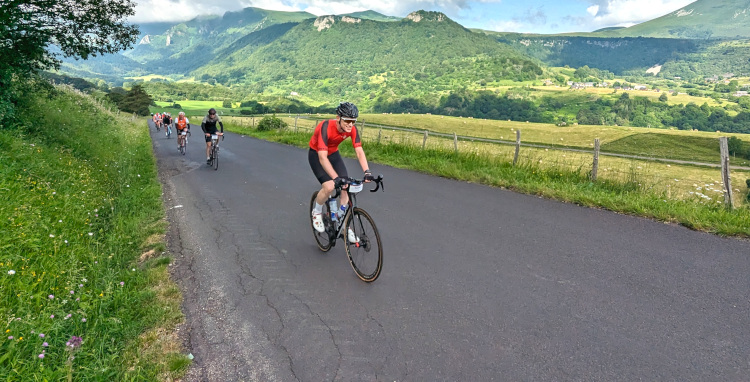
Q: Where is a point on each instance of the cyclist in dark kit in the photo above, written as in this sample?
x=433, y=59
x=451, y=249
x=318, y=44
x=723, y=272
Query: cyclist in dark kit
x=209, y=127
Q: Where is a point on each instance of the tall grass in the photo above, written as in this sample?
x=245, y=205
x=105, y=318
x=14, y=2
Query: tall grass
x=626, y=194
x=80, y=210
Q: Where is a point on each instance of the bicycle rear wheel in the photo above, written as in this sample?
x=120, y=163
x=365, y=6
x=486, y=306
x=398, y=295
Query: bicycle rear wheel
x=216, y=157
x=366, y=253
x=324, y=240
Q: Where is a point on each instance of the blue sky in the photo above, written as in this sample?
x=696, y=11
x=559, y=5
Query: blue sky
x=528, y=16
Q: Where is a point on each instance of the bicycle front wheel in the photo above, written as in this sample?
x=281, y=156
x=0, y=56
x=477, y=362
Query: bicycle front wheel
x=363, y=246
x=216, y=158
x=324, y=240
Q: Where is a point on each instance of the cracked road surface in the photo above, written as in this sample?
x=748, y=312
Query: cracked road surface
x=478, y=283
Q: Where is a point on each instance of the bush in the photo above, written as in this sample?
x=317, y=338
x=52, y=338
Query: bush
x=269, y=123
x=246, y=112
x=227, y=104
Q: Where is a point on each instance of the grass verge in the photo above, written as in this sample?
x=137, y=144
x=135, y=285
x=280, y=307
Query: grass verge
x=84, y=295
x=561, y=183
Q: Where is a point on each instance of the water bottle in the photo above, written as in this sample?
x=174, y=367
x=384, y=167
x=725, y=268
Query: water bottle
x=333, y=207
x=342, y=211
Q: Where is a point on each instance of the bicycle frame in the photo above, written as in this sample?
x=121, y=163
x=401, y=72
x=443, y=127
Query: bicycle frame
x=339, y=226
x=215, y=143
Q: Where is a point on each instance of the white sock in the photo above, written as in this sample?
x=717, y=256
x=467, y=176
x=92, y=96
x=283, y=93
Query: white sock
x=318, y=208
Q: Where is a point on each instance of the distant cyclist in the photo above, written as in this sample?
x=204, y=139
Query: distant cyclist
x=166, y=119
x=157, y=121
x=325, y=159
x=183, y=125
x=209, y=127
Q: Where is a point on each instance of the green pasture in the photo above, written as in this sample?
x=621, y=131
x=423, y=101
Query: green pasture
x=699, y=146
x=678, y=99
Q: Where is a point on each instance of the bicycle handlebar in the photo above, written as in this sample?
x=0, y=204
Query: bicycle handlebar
x=339, y=185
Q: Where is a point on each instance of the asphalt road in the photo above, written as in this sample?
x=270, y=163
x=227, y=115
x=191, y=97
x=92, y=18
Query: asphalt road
x=478, y=283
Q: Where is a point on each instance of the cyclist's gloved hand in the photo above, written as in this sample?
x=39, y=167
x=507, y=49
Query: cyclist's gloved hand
x=339, y=181
x=368, y=177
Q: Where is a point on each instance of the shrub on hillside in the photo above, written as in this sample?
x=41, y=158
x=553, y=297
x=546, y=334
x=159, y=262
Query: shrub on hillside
x=269, y=123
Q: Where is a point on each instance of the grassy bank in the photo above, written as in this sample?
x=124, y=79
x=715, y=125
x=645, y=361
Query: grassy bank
x=556, y=182
x=84, y=295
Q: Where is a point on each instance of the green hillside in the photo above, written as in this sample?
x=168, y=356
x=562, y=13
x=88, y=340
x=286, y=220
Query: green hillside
x=703, y=19
x=329, y=58
x=183, y=47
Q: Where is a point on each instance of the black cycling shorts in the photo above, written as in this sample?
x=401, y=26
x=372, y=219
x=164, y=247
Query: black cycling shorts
x=336, y=161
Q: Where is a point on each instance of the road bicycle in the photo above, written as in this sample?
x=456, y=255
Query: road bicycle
x=356, y=228
x=183, y=146
x=214, y=158
x=168, y=130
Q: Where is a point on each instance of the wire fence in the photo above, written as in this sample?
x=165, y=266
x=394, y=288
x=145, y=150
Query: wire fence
x=674, y=179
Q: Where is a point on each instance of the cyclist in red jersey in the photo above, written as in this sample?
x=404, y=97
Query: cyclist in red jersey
x=325, y=159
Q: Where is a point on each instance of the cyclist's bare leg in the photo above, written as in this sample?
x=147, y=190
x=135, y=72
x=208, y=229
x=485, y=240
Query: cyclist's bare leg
x=344, y=200
x=326, y=190
x=208, y=149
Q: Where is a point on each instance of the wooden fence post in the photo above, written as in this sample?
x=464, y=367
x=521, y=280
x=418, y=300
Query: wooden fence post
x=295, y=123
x=380, y=131
x=362, y=130
x=455, y=142
x=518, y=146
x=424, y=140
x=595, y=167
x=724, y=148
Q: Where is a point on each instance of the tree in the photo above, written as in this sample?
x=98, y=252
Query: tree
x=663, y=97
x=135, y=101
x=735, y=146
x=34, y=33
x=79, y=28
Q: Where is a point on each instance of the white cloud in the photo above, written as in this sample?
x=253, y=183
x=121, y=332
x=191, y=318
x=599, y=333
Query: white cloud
x=630, y=12
x=508, y=26
x=181, y=10
x=593, y=10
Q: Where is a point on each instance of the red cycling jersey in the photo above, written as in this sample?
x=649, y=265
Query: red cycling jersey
x=327, y=137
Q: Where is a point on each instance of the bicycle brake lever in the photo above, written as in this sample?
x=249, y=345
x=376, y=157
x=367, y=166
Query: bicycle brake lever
x=379, y=182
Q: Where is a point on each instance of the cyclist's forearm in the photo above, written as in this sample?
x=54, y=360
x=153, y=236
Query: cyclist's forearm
x=222, y=126
x=361, y=158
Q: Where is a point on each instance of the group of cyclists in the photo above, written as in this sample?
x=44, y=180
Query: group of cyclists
x=325, y=160
x=182, y=124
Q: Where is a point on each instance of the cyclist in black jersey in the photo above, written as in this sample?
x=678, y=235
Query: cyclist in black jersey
x=166, y=120
x=209, y=127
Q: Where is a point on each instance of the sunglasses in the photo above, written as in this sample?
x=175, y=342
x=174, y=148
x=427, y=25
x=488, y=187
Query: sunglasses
x=349, y=120
x=211, y=113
